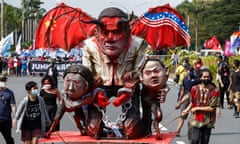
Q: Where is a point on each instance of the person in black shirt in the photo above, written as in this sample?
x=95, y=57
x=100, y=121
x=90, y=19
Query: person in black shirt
x=32, y=117
x=51, y=96
x=234, y=88
x=7, y=110
x=223, y=81
x=53, y=72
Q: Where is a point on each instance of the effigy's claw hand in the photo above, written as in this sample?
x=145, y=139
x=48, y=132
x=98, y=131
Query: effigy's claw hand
x=123, y=95
x=101, y=97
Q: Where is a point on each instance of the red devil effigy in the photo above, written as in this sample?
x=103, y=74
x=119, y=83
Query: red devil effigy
x=114, y=64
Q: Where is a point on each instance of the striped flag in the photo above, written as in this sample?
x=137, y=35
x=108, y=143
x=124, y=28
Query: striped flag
x=5, y=44
x=235, y=43
x=162, y=27
x=18, y=46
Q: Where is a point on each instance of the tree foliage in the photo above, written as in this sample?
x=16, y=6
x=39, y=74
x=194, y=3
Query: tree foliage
x=216, y=17
x=210, y=17
x=12, y=20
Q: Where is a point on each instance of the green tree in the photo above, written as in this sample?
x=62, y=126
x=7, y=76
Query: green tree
x=215, y=17
x=12, y=20
x=31, y=13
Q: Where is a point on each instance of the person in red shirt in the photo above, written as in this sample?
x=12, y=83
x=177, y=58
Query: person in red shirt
x=11, y=66
x=197, y=66
x=205, y=100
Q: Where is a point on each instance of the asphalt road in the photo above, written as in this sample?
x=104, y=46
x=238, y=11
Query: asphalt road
x=227, y=128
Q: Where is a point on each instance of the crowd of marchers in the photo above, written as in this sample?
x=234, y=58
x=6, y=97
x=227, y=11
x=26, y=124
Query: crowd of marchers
x=201, y=98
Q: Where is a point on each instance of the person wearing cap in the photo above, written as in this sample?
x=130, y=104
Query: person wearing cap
x=114, y=55
x=7, y=110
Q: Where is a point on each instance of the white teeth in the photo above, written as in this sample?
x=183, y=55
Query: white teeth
x=107, y=44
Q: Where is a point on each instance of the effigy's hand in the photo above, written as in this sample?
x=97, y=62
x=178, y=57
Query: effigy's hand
x=101, y=97
x=123, y=95
x=162, y=93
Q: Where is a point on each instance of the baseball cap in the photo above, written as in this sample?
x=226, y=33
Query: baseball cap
x=3, y=77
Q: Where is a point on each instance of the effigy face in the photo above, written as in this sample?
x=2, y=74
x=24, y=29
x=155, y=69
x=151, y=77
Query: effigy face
x=112, y=37
x=154, y=75
x=75, y=86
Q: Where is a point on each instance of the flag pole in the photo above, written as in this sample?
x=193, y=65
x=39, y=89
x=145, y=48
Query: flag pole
x=2, y=17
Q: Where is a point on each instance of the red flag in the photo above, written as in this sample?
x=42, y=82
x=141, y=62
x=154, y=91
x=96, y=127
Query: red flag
x=213, y=43
x=162, y=27
x=62, y=27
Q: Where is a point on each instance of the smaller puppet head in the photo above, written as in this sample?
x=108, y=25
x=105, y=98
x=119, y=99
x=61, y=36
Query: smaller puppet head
x=154, y=74
x=78, y=80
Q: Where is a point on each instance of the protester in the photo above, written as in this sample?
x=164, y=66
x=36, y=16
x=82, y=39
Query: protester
x=32, y=117
x=53, y=72
x=204, y=103
x=1, y=63
x=197, y=66
x=7, y=110
x=234, y=88
x=189, y=80
x=181, y=72
x=11, y=70
x=175, y=60
x=19, y=66
x=51, y=96
x=24, y=67
x=223, y=78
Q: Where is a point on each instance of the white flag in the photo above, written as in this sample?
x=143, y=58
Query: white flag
x=18, y=46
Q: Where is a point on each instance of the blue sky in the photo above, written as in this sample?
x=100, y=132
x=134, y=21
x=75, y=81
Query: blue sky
x=94, y=7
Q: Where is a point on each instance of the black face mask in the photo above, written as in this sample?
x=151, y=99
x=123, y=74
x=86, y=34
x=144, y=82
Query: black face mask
x=205, y=81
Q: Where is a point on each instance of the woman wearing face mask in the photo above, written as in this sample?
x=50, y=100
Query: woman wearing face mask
x=204, y=103
x=50, y=95
x=31, y=115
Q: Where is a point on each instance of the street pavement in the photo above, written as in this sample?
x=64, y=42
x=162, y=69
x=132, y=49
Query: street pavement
x=226, y=131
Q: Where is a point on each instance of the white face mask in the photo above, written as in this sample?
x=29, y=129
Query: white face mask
x=2, y=84
x=47, y=86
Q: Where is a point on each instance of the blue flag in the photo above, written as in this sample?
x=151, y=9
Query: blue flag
x=5, y=44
